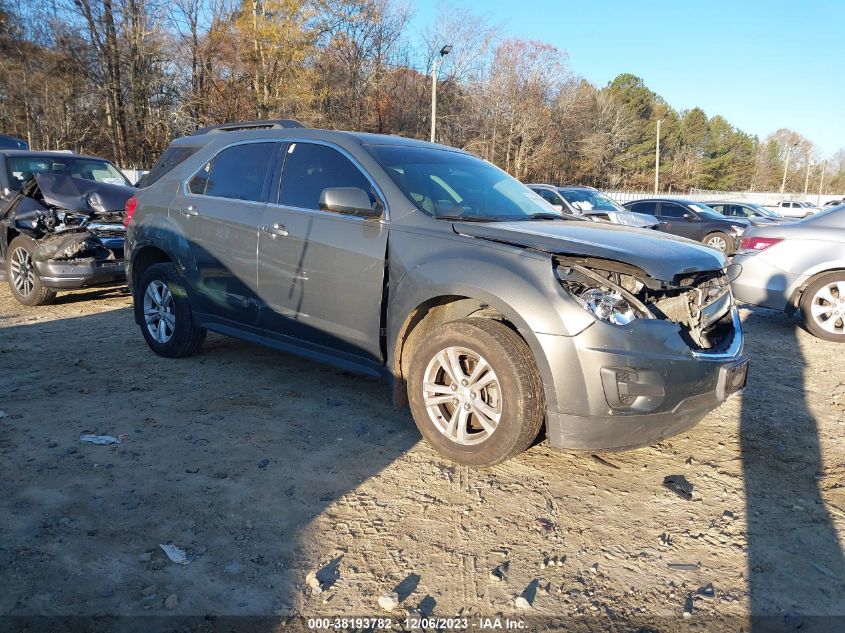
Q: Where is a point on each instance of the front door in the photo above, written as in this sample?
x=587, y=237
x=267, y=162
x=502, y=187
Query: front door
x=673, y=221
x=219, y=215
x=321, y=273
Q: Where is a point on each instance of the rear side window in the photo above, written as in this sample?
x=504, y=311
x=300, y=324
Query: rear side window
x=311, y=168
x=644, y=207
x=174, y=155
x=238, y=172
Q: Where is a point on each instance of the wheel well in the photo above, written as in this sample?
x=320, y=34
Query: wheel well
x=10, y=235
x=423, y=319
x=145, y=258
x=795, y=300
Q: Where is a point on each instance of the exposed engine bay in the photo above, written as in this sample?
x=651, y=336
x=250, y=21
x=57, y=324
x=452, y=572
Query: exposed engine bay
x=700, y=303
x=69, y=218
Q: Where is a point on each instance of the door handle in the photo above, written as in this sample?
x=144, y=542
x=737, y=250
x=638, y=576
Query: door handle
x=189, y=210
x=275, y=230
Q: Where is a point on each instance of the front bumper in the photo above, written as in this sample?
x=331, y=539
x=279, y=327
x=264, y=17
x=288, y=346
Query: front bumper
x=83, y=273
x=624, y=387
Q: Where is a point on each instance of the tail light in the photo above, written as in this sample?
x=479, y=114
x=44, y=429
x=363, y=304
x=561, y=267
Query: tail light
x=751, y=245
x=130, y=207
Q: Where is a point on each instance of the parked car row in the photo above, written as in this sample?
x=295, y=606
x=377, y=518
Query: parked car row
x=492, y=308
x=794, y=209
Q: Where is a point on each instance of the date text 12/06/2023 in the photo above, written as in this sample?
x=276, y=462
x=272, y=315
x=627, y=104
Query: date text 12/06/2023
x=494, y=623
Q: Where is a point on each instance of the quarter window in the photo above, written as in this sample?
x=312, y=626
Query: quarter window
x=310, y=168
x=238, y=172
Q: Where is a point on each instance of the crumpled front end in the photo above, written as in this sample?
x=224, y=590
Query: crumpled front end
x=660, y=355
x=79, y=236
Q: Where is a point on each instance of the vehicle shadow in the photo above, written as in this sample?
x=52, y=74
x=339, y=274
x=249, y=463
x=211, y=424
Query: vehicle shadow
x=90, y=294
x=796, y=570
x=229, y=455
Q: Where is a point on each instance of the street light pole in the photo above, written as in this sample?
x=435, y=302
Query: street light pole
x=434, y=71
x=786, y=166
x=657, y=159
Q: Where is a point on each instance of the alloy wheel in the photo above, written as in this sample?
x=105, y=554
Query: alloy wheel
x=718, y=243
x=22, y=270
x=828, y=307
x=159, y=313
x=462, y=395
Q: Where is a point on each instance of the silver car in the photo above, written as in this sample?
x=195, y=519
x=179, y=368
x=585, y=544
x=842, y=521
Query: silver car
x=800, y=265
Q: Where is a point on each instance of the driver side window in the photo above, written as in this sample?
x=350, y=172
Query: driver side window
x=671, y=210
x=310, y=168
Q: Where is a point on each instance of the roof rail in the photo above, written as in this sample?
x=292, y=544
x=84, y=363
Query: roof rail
x=267, y=124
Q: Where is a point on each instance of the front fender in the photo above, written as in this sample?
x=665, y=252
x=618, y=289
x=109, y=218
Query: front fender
x=518, y=283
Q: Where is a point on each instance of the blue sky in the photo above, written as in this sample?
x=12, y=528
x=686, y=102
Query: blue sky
x=762, y=65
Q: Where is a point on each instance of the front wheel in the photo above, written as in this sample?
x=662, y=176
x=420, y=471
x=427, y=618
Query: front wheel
x=24, y=282
x=163, y=310
x=717, y=240
x=823, y=307
x=475, y=392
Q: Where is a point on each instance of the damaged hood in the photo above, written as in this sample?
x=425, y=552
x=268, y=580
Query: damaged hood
x=78, y=194
x=660, y=255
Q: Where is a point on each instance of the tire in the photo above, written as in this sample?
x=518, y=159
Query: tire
x=23, y=279
x=823, y=306
x=718, y=240
x=162, y=306
x=511, y=403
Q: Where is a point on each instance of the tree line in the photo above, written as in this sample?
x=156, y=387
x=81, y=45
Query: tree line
x=121, y=78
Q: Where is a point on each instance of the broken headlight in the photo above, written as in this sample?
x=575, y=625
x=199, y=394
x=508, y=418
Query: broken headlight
x=604, y=303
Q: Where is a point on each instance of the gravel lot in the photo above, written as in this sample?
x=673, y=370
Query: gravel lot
x=265, y=468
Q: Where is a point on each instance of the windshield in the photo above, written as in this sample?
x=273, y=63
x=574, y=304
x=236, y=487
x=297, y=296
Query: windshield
x=586, y=200
x=452, y=185
x=707, y=212
x=22, y=168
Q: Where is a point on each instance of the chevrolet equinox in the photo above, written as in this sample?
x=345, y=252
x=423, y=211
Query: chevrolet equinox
x=489, y=312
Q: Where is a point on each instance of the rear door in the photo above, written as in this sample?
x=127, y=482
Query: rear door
x=219, y=212
x=321, y=274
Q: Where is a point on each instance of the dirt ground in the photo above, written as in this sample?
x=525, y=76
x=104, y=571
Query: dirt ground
x=265, y=468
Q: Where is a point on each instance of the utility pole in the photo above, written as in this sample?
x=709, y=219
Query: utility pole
x=807, y=177
x=434, y=71
x=786, y=166
x=657, y=159
x=821, y=184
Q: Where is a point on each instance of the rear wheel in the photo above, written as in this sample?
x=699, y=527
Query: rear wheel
x=23, y=279
x=718, y=240
x=823, y=307
x=162, y=308
x=475, y=392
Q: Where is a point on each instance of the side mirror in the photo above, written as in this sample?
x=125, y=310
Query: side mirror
x=558, y=206
x=687, y=216
x=350, y=201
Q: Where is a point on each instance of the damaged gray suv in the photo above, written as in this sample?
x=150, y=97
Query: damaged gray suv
x=489, y=312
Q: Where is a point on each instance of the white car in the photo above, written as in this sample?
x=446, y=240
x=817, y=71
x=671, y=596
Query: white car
x=793, y=208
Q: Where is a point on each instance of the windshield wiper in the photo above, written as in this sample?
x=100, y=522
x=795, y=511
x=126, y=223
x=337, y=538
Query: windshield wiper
x=475, y=218
x=543, y=216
